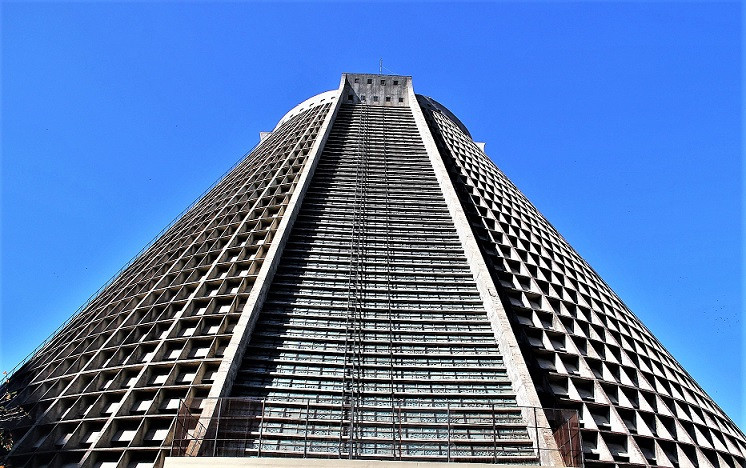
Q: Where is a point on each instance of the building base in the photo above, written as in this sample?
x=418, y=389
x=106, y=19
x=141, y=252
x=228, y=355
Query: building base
x=196, y=462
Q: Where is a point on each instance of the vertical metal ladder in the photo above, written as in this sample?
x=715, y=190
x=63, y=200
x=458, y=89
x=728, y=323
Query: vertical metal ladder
x=352, y=375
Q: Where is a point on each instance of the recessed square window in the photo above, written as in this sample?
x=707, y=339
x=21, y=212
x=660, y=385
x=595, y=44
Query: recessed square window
x=124, y=435
x=157, y=434
x=171, y=404
x=159, y=379
x=90, y=437
x=375, y=98
x=362, y=98
x=357, y=80
x=383, y=82
x=388, y=98
x=141, y=406
x=401, y=99
x=199, y=352
x=370, y=81
x=396, y=82
x=349, y=97
x=186, y=377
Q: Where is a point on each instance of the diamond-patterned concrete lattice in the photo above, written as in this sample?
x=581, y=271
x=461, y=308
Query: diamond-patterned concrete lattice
x=585, y=349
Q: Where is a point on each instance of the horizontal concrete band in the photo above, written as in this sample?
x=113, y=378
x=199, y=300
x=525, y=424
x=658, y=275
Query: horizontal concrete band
x=190, y=462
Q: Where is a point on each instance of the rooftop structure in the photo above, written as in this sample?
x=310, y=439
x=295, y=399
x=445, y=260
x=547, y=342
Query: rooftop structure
x=364, y=285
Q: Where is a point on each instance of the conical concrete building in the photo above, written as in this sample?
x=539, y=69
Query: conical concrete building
x=364, y=285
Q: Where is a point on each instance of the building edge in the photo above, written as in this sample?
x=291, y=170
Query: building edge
x=526, y=395
x=242, y=333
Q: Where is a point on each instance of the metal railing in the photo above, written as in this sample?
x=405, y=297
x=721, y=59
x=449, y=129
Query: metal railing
x=247, y=427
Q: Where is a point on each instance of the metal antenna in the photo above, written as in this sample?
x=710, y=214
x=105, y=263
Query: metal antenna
x=380, y=67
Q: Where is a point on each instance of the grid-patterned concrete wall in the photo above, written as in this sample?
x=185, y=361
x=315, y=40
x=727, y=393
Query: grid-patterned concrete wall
x=373, y=334
x=105, y=390
x=585, y=349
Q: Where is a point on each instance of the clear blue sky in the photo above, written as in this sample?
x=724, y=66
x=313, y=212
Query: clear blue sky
x=620, y=121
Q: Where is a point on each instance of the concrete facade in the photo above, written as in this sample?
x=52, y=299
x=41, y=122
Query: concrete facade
x=364, y=289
